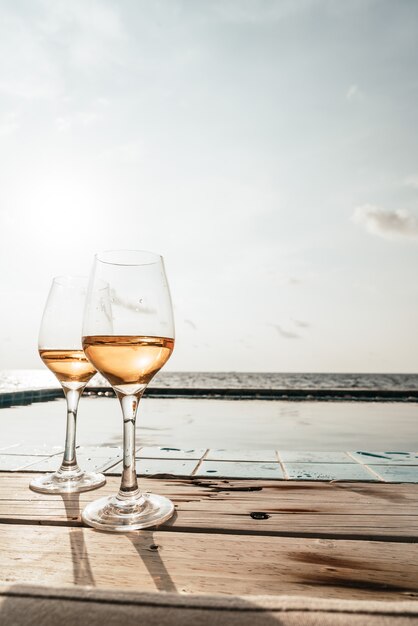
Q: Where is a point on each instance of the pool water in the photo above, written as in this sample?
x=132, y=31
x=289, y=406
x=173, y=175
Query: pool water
x=232, y=424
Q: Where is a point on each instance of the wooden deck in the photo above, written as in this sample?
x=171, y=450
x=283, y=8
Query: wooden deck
x=228, y=536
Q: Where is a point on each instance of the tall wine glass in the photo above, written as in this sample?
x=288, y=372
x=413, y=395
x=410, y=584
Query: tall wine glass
x=61, y=351
x=128, y=335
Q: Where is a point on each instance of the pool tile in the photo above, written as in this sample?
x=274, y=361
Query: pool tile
x=98, y=459
x=100, y=452
x=150, y=467
x=296, y=456
x=87, y=462
x=27, y=449
x=261, y=456
x=48, y=464
x=385, y=458
x=13, y=462
x=4, y=448
x=169, y=453
x=328, y=471
x=239, y=469
x=397, y=474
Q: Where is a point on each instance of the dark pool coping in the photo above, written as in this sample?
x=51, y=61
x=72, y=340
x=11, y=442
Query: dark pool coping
x=27, y=396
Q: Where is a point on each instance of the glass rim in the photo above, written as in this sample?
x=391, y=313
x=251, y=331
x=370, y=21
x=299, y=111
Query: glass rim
x=153, y=257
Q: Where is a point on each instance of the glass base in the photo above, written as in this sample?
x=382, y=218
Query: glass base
x=122, y=515
x=67, y=482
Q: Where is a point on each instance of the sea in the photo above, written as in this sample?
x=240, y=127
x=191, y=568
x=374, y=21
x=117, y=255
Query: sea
x=15, y=380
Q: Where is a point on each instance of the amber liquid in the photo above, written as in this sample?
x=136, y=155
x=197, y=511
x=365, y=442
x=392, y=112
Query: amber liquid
x=128, y=361
x=69, y=366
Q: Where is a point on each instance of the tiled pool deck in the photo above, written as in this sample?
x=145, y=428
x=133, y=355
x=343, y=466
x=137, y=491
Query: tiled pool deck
x=387, y=467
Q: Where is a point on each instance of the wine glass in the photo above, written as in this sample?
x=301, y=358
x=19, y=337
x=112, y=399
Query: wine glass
x=128, y=335
x=61, y=351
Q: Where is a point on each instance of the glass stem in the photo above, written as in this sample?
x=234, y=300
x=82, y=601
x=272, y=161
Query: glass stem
x=69, y=462
x=129, y=483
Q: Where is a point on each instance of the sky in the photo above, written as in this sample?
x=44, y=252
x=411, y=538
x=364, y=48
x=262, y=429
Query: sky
x=267, y=148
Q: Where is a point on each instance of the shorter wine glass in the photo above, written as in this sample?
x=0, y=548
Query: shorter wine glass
x=61, y=351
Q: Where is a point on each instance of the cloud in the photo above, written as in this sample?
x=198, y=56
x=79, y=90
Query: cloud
x=49, y=45
x=86, y=118
x=7, y=218
x=30, y=72
x=411, y=181
x=130, y=152
x=90, y=30
x=354, y=93
x=293, y=280
x=301, y=324
x=250, y=12
x=389, y=224
x=287, y=334
x=8, y=124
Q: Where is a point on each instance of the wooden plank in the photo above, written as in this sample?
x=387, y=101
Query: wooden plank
x=188, y=562
x=349, y=510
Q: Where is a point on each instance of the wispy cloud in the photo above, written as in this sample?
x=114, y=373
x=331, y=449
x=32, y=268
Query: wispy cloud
x=43, y=50
x=83, y=118
x=8, y=124
x=411, y=181
x=7, y=218
x=354, y=93
x=248, y=11
x=389, y=224
x=129, y=152
x=30, y=72
x=90, y=30
x=286, y=334
x=301, y=324
x=294, y=280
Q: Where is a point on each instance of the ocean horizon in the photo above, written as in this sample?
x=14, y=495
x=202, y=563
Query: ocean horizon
x=16, y=379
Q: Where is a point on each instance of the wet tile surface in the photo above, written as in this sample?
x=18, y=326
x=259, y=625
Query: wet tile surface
x=169, y=453
x=3, y=448
x=151, y=467
x=242, y=455
x=239, y=469
x=291, y=456
x=25, y=449
x=327, y=471
x=386, y=458
x=100, y=452
x=267, y=464
x=11, y=463
x=85, y=459
x=397, y=474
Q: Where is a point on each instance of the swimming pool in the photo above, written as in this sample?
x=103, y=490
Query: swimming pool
x=220, y=423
